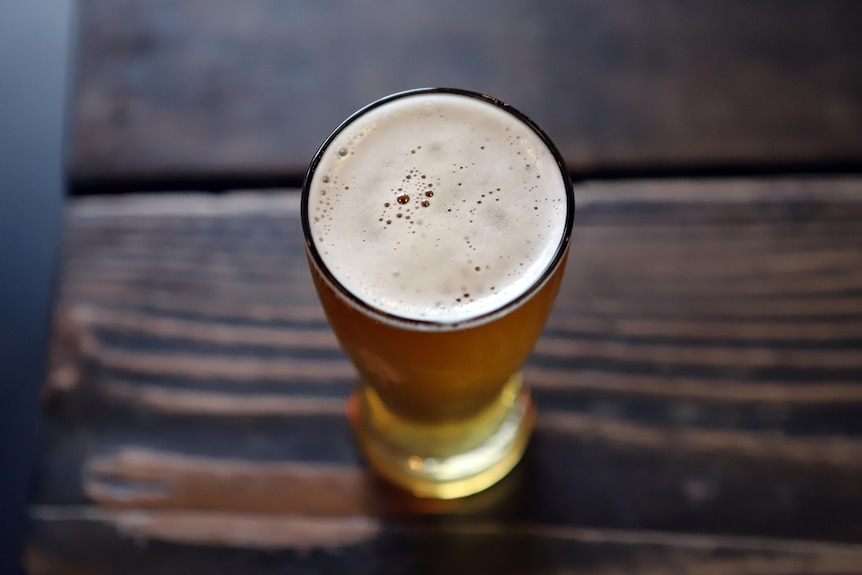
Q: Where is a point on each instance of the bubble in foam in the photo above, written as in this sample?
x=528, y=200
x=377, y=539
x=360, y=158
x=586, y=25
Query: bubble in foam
x=403, y=199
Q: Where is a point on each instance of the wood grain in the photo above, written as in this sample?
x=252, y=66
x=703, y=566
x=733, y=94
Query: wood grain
x=181, y=93
x=711, y=387
x=76, y=541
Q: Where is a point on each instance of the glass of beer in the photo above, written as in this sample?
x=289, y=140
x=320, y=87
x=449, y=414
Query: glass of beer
x=437, y=224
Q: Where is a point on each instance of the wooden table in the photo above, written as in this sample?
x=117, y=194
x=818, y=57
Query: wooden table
x=698, y=386
x=182, y=94
x=699, y=382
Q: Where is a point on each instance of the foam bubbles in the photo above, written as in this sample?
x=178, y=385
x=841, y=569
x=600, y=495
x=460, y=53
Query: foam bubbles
x=487, y=231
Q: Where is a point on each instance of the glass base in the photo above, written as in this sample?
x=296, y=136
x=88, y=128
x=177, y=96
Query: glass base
x=444, y=460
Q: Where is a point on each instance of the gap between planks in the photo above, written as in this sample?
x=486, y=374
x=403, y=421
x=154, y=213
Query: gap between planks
x=718, y=190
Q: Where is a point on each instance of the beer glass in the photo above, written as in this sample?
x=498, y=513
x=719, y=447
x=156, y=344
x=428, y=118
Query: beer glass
x=437, y=224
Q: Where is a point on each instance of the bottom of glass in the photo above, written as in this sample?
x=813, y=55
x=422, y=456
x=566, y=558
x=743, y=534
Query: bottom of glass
x=448, y=460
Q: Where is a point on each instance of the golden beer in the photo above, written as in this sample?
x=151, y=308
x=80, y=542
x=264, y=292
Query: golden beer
x=437, y=274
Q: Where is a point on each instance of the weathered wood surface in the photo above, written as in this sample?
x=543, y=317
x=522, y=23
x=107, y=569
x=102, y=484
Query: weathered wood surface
x=699, y=381
x=178, y=93
x=108, y=542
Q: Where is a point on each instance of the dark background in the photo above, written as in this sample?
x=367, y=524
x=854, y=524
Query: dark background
x=35, y=46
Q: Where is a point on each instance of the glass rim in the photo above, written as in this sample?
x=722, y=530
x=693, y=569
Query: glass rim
x=376, y=313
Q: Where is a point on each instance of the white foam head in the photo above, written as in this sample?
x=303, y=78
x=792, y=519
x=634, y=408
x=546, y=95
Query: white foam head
x=437, y=207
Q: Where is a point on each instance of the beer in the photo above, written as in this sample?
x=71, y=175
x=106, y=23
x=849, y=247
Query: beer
x=437, y=225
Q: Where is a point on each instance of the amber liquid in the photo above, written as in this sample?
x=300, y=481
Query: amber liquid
x=442, y=412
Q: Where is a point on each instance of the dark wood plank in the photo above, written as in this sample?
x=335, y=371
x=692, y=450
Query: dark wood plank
x=89, y=541
x=700, y=372
x=181, y=93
